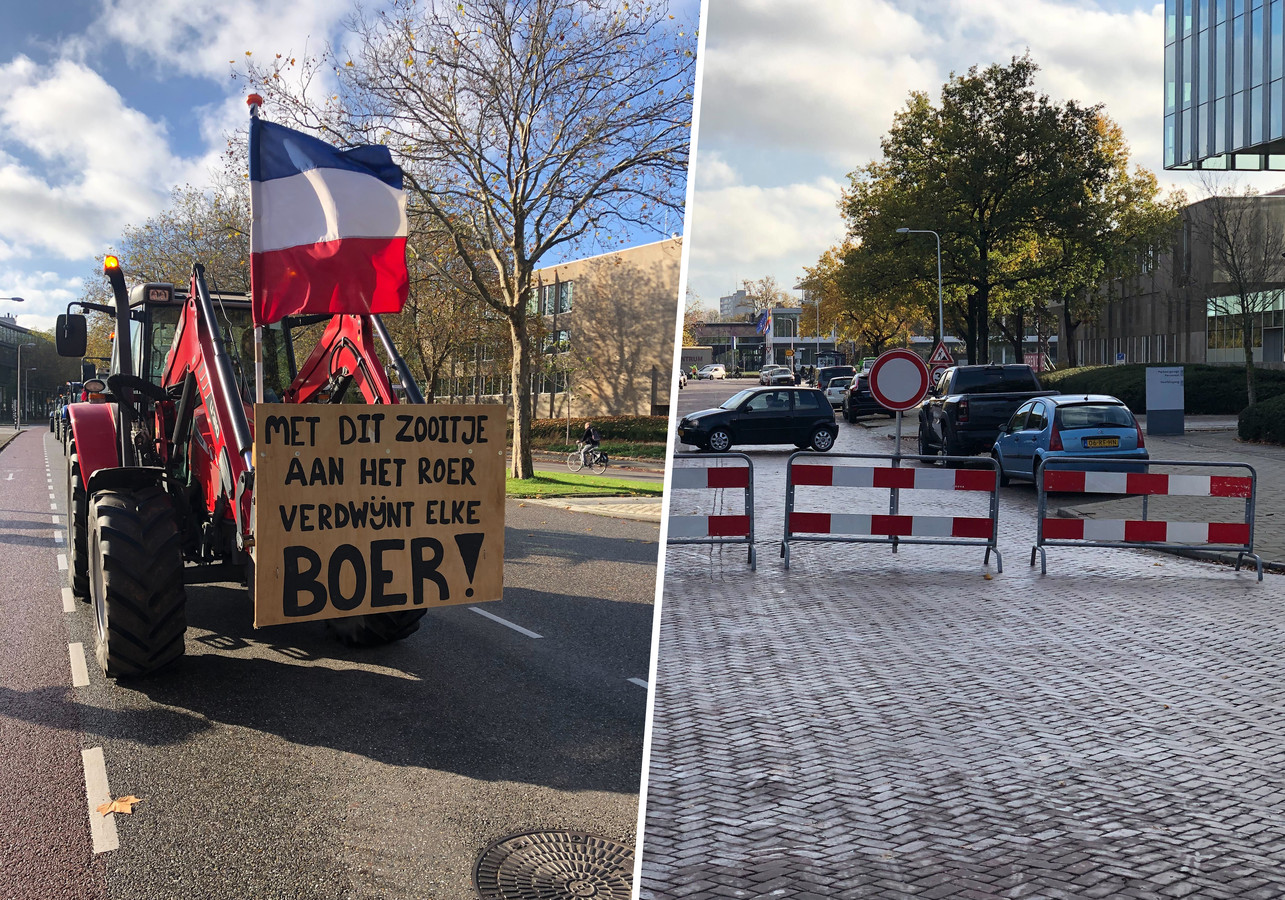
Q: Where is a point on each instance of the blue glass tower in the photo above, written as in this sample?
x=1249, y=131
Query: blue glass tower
x=1224, y=84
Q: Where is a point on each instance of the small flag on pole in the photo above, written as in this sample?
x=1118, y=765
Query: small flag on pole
x=328, y=226
x=765, y=322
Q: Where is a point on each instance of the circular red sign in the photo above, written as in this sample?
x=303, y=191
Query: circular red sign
x=898, y=380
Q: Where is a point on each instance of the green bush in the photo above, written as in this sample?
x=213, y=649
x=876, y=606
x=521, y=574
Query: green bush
x=1264, y=421
x=1209, y=390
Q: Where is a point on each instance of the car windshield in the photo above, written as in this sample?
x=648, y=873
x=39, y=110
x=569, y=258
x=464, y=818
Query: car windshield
x=995, y=380
x=1094, y=415
x=841, y=382
x=736, y=399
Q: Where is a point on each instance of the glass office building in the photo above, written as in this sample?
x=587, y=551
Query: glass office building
x=1224, y=84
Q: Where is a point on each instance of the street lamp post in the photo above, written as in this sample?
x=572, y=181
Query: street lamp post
x=17, y=405
x=941, y=327
x=14, y=299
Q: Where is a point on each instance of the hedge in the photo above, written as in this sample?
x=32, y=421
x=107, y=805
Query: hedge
x=1264, y=421
x=1209, y=390
x=634, y=429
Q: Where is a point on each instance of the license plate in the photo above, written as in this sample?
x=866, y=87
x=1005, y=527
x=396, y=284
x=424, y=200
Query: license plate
x=1102, y=442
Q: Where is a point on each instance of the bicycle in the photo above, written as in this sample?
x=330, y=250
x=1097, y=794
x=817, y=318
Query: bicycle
x=597, y=459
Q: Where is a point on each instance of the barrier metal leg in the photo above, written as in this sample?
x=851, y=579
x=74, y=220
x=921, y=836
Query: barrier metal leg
x=999, y=560
x=1043, y=559
x=785, y=553
x=753, y=563
x=1258, y=562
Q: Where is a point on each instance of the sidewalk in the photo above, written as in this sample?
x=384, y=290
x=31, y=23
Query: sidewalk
x=643, y=509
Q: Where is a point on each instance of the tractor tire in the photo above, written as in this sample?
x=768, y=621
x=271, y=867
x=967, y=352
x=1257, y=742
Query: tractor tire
x=136, y=580
x=77, y=531
x=376, y=628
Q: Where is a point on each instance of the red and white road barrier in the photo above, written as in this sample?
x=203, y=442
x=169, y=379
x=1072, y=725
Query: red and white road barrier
x=804, y=470
x=1063, y=475
x=737, y=528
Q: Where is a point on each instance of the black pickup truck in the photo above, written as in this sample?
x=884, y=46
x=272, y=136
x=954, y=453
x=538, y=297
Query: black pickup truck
x=965, y=410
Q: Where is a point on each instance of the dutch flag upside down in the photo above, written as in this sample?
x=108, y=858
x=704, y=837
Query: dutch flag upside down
x=328, y=226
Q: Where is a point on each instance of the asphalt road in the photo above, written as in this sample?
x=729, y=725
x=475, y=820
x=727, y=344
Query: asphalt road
x=277, y=763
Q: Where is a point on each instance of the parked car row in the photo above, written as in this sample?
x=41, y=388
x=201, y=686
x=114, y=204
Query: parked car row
x=1002, y=410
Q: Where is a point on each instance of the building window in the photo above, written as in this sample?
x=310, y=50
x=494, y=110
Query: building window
x=564, y=296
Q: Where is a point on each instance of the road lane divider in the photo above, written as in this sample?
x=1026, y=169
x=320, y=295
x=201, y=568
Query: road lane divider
x=79, y=669
x=734, y=528
x=836, y=521
x=1089, y=475
x=62, y=562
x=638, y=681
x=68, y=600
x=101, y=828
x=505, y=622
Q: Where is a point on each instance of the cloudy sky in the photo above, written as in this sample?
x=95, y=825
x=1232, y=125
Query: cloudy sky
x=108, y=104
x=797, y=93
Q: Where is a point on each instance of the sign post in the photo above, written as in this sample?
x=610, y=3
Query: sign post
x=898, y=381
x=939, y=362
x=1166, y=400
x=364, y=509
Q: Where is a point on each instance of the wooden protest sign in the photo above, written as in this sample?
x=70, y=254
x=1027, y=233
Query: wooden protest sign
x=376, y=508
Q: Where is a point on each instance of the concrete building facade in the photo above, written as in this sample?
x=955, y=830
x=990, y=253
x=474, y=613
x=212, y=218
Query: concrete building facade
x=1183, y=309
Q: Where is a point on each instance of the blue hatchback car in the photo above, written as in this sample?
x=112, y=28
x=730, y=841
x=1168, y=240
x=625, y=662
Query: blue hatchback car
x=1068, y=425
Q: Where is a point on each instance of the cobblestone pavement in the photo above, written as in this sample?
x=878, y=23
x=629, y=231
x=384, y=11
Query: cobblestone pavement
x=878, y=725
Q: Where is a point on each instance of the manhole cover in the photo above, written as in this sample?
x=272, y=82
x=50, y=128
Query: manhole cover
x=554, y=865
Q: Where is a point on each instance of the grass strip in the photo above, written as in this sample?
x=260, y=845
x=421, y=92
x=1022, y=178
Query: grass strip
x=558, y=484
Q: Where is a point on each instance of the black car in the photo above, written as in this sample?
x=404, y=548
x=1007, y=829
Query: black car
x=858, y=401
x=825, y=373
x=765, y=415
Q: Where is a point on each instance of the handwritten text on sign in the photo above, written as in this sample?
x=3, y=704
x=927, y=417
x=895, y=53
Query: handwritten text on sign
x=365, y=509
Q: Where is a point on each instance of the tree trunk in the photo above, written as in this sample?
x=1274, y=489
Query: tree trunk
x=521, y=466
x=983, y=326
x=1068, y=334
x=1247, y=335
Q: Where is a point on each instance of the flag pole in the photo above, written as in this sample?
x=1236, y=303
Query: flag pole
x=253, y=102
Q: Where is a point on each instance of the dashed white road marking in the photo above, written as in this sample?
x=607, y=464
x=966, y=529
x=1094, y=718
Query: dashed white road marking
x=79, y=671
x=58, y=538
x=68, y=600
x=505, y=622
x=62, y=562
x=103, y=828
x=638, y=681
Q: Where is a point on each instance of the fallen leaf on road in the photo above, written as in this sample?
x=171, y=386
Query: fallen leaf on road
x=521, y=504
x=120, y=805
x=988, y=576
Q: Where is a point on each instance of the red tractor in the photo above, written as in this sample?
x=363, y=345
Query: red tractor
x=160, y=471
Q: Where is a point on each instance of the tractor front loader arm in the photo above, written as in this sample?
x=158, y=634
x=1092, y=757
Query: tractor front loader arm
x=345, y=354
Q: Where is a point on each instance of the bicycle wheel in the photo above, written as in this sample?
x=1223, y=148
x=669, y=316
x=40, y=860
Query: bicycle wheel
x=599, y=462
x=573, y=461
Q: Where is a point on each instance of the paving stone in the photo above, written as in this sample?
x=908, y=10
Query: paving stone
x=879, y=725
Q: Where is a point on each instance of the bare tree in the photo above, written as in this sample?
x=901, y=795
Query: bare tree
x=765, y=293
x=527, y=129
x=1246, y=235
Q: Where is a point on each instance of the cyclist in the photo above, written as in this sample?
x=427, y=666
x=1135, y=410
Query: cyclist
x=589, y=442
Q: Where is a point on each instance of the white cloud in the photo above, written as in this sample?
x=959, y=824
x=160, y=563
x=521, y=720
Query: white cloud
x=208, y=35
x=94, y=164
x=748, y=232
x=45, y=294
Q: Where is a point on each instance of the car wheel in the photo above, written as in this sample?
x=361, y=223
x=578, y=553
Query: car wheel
x=1003, y=478
x=924, y=449
x=822, y=440
x=719, y=440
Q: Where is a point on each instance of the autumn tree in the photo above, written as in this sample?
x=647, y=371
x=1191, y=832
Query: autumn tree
x=855, y=291
x=988, y=166
x=1246, y=236
x=528, y=130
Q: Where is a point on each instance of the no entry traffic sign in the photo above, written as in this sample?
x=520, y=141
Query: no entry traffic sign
x=898, y=380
